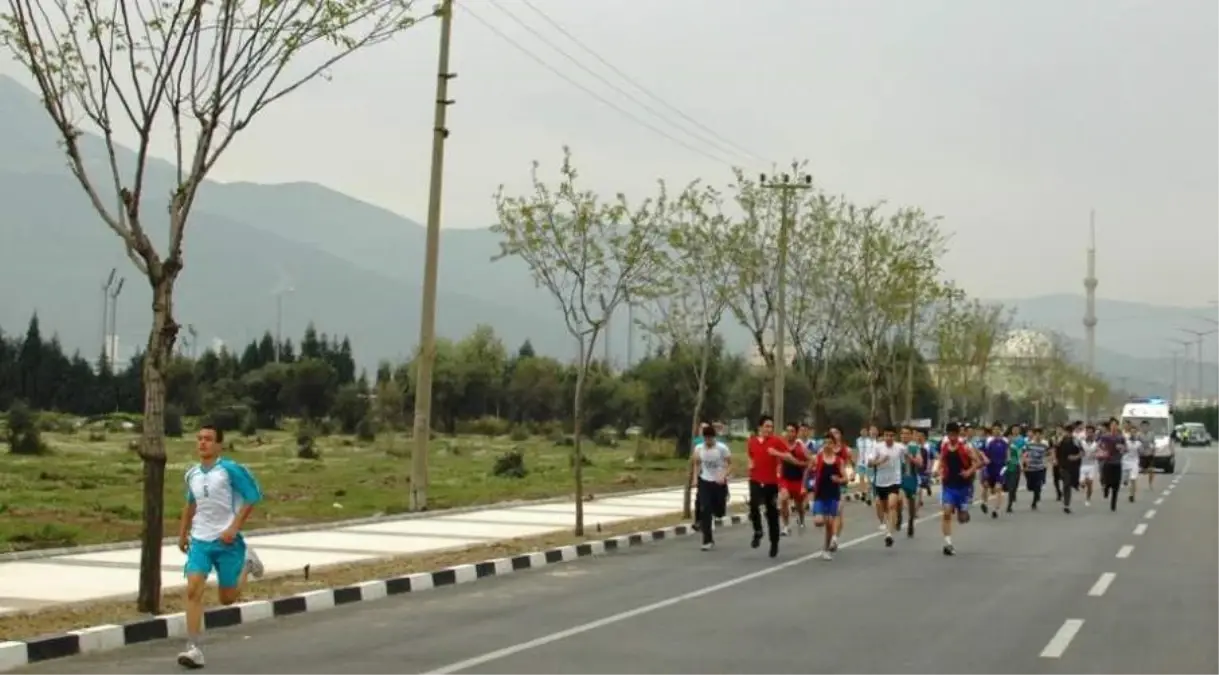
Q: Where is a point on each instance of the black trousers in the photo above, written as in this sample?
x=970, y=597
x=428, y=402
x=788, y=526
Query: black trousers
x=711, y=503
x=1111, y=479
x=764, y=499
x=1034, y=480
x=1011, y=485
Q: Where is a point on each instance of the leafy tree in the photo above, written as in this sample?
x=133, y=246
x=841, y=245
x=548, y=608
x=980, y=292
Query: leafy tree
x=590, y=256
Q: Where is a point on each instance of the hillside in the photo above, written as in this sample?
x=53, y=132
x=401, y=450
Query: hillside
x=356, y=268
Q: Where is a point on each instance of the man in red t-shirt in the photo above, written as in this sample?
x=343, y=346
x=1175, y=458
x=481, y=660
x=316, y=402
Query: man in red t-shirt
x=791, y=480
x=766, y=452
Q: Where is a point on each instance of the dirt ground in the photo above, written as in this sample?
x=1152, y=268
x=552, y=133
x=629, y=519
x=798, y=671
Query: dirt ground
x=60, y=618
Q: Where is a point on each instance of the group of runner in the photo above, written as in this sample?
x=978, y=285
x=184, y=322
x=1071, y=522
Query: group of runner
x=792, y=474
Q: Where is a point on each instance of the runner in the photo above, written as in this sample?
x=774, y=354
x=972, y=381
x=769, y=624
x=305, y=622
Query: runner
x=1067, y=457
x=766, y=451
x=1110, y=449
x=912, y=469
x=957, y=467
x=1130, y=461
x=220, y=496
x=930, y=454
x=713, y=465
x=1011, y=472
x=996, y=454
x=1147, y=455
x=835, y=444
x=791, y=480
x=863, y=454
x=887, y=463
x=828, y=474
x=1032, y=462
x=1089, y=470
x=977, y=445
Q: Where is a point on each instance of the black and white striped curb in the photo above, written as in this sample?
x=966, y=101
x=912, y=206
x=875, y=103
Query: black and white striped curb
x=15, y=655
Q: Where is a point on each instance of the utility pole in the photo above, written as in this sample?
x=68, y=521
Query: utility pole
x=1090, y=311
x=279, y=320
x=105, y=317
x=630, y=333
x=114, y=331
x=1198, y=336
x=427, y=320
x=787, y=187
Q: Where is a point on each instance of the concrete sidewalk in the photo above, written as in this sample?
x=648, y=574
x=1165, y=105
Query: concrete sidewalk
x=78, y=577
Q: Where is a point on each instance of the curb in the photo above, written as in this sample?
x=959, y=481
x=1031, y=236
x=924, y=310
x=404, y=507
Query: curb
x=109, y=637
x=38, y=554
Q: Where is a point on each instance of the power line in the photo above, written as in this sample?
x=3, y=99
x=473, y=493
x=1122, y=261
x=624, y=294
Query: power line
x=646, y=92
x=560, y=74
x=709, y=137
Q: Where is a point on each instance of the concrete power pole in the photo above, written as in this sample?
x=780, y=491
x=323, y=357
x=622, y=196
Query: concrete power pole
x=114, y=331
x=427, y=319
x=787, y=187
x=106, y=317
x=1090, y=310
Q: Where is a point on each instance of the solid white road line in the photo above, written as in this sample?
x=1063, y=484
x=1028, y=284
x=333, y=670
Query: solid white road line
x=1151, y=513
x=1159, y=501
x=1062, y=639
x=1102, y=584
x=646, y=609
x=1125, y=551
x=1140, y=529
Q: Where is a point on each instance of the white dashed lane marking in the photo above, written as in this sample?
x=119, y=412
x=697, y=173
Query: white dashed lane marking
x=1125, y=551
x=1140, y=529
x=1102, y=584
x=1062, y=639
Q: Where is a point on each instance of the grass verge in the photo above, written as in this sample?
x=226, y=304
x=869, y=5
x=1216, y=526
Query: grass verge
x=87, y=490
x=61, y=618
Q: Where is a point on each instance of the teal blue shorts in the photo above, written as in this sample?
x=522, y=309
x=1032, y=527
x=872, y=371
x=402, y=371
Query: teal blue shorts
x=227, y=559
x=910, y=485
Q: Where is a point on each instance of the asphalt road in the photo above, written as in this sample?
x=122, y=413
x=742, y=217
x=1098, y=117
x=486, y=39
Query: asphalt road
x=1025, y=594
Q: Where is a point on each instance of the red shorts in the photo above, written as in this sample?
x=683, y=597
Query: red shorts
x=795, y=488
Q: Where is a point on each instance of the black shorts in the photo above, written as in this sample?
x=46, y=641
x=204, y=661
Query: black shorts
x=1111, y=475
x=883, y=493
x=1145, y=462
x=1034, y=479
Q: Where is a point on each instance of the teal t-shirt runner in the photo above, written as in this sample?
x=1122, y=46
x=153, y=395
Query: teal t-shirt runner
x=1014, y=449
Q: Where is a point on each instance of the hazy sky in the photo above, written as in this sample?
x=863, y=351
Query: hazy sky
x=1009, y=119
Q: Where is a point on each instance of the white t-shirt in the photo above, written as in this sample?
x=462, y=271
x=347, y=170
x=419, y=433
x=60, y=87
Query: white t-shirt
x=889, y=473
x=219, y=493
x=712, y=461
x=1134, y=448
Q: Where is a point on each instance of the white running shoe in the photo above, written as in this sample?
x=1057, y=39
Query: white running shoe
x=826, y=555
x=254, y=563
x=708, y=547
x=786, y=532
x=192, y=658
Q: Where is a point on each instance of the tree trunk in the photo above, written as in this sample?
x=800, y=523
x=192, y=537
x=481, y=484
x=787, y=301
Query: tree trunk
x=872, y=396
x=699, y=397
x=152, y=442
x=578, y=450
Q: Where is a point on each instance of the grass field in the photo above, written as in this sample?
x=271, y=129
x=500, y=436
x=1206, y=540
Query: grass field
x=88, y=491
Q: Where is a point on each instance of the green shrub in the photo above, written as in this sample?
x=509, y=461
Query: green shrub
x=173, y=421
x=519, y=434
x=488, y=426
x=510, y=464
x=23, y=436
x=605, y=438
x=306, y=443
x=366, y=430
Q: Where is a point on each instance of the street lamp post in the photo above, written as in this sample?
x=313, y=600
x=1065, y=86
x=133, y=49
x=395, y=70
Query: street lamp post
x=1199, y=335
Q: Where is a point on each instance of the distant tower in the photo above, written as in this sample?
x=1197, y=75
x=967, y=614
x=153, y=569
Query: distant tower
x=1090, y=310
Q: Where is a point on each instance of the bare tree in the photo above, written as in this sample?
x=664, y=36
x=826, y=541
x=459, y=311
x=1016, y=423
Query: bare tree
x=756, y=276
x=698, y=283
x=200, y=72
x=591, y=256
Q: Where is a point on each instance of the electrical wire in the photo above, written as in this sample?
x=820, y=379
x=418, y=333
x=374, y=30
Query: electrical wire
x=726, y=148
x=602, y=99
x=644, y=90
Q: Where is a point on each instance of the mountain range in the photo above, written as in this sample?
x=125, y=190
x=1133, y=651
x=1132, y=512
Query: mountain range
x=354, y=268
